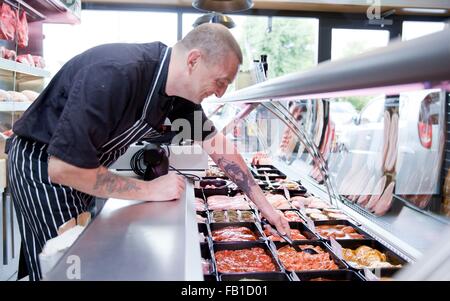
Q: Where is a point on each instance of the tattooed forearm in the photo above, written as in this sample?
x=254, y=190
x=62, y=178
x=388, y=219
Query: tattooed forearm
x=238, y=175
x=110, y=183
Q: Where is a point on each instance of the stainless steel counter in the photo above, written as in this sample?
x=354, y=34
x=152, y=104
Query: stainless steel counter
x=132, y=240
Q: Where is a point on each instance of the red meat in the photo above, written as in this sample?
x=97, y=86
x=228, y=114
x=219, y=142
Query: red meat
x=7, y=22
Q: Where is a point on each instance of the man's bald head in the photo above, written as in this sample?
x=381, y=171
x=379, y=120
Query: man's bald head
x=215, y=40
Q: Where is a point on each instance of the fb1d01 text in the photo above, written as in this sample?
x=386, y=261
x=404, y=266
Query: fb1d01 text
x=229, y=290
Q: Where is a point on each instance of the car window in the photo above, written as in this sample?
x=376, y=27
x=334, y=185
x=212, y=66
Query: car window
x=373, y=112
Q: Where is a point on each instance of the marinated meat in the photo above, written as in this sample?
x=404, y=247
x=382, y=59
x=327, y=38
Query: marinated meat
x=234, y=234
x=365, y=256
x=338, y=232
x=295, y=235
x=244, y=261
x=302, y=261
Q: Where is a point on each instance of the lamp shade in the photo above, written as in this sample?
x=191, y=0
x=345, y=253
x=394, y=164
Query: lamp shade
x=223, y=6
x=215, y=18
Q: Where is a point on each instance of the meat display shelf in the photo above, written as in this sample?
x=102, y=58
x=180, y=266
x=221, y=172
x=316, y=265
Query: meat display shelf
x=133, y=240
x=13, y=106
x=24, y=72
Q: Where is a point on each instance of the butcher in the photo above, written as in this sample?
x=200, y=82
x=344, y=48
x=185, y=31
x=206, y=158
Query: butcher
x=100, y=102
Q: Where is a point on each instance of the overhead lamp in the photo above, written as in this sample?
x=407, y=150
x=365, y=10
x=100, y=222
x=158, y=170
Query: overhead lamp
x=223, y=6
x=425, y=10
x=215, y=18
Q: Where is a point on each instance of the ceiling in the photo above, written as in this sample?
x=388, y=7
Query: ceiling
x=341, y=6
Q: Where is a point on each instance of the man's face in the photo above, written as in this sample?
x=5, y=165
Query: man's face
x=212, y=78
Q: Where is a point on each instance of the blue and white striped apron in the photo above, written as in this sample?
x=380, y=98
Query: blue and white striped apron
x=42, y=206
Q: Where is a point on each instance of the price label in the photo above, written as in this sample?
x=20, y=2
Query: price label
x=311, y=224
x=286, y=193
x=337, y=248
x=370, y=276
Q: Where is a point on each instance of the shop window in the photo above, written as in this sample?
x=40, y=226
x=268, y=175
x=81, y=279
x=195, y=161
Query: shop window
x=415, y=29
x=62, y=42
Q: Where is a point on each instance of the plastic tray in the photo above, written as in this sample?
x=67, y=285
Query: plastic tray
x=203, y=214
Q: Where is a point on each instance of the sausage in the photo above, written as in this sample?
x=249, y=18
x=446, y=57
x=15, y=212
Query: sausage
x=393, y=145
x=376, y=193
x=385, y=202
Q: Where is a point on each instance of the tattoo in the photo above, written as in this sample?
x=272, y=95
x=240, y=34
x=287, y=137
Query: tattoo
x=239, y=176
x=112, y=183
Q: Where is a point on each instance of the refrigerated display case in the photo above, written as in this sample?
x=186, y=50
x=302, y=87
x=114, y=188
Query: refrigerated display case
x=297, y=160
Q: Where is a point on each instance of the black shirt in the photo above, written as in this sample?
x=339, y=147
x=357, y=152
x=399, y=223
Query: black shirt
x=98, y=97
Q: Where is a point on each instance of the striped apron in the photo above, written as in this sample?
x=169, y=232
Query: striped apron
x=42, y=206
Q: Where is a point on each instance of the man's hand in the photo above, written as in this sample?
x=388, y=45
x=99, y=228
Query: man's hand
x=167, y=187
x=278, y=220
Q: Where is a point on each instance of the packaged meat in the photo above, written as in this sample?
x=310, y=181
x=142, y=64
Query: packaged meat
x=22, y=30
x=309, y=202
x=7, y=22
x=244, y=261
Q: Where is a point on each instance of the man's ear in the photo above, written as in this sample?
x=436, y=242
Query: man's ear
x=193, y=58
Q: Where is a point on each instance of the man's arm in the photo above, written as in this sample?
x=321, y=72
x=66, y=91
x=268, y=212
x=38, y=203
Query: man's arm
x=100, y=182
x=231, y=162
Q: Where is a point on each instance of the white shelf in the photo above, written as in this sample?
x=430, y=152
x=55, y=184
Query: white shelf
x=22, y=68
x=10, y=106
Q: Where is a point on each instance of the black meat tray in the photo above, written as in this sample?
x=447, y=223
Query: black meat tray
x=252, y=211
x=341, y=264
x=341, y=222
x=380, y=273
x=203, y=214
x=203, y=228
x=245, y=245
x=336, y=275
x=206, y=254
x=391, y=257
x=275, y=174
x=252, y=226
x=271, y=276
